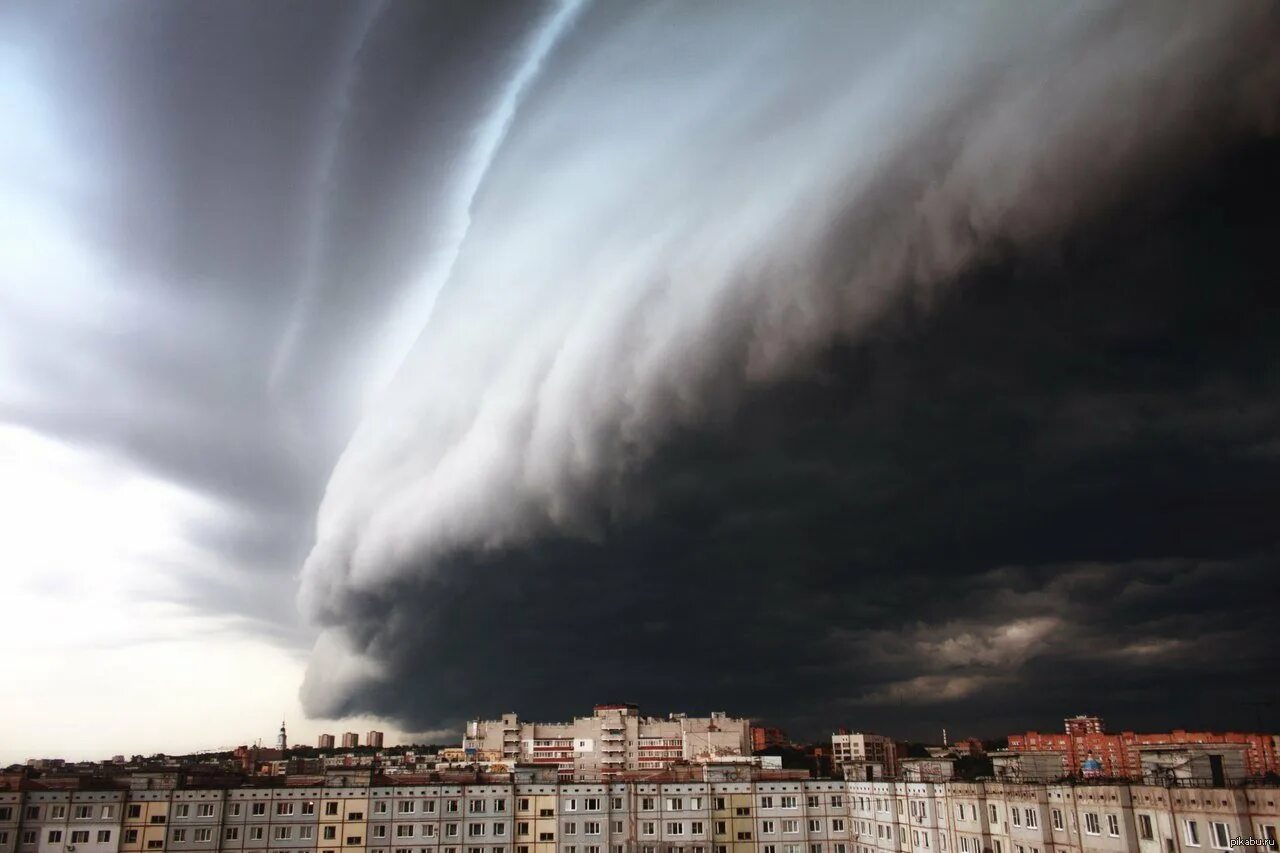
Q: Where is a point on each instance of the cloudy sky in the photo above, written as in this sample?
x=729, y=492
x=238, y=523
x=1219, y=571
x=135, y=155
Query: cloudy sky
x=838, y=364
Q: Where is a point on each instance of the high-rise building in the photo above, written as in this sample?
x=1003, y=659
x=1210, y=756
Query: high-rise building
x=613, y=739
x=325, y=742
x=1086, y=747
x=861, y=747
x=350, y=740
x=373, y=739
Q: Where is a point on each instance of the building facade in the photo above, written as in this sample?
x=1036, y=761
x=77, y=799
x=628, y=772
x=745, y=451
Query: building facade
x=350, y=740
x=754, y=813
x=325, y=742
x=863, y=748
x=1120, y=755
x=614, y=739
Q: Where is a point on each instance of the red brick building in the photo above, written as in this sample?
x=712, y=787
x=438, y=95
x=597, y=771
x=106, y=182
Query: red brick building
x=1120, y=754
x=764, y=737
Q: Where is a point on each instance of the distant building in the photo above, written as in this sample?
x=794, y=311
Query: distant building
x=927, y=769
x=969, y=746
x=860, y=747
x=282, y=740
x=1028, y=765
x=373, y=739
x=1086, y=741
x=350, y=740
x=765, y=737
x=615, y=738
x=325, y=742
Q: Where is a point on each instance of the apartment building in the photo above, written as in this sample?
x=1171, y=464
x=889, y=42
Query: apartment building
x=864, y=748
x=615, y=738
x=1119, y=755
x=737, y=812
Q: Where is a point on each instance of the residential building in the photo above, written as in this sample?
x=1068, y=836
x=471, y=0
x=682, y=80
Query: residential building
x=1086, y=741
x=373, y=739
x=717, y=810
x=766, y=737
x=350, y=740
x=615, y=738
x=860, y=747
x=325, y=742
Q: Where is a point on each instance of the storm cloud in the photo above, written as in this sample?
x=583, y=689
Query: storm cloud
x=834, y=363
x=755, y=364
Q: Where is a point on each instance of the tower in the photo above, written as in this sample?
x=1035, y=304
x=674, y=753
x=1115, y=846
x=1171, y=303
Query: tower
x=282, y=742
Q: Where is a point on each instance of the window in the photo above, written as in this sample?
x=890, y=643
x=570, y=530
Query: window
x=499, y=805
x=649, y=828
x=767, y=827
x=80, y=836
x=451, y=830
x=353, y=840
x=1056, y=816
x=499, y=829
x=108, y=811
x=1033, y=819
x=675, y=804
x=811, y=801
x=283, y=832
x=592, y=804
x=331, y=809
x=202, y=810
x=1192, y=833
x=790, y=826
x=1113, y=826
x=204, y=834
x=179, y=835
x=591, y=827
x=1091, y=825
x=131, y=836
x=235, y=809
x=1144, y=827
x=719, y=804
x=721, y=827
x=256, y=833
x=475, y=806
x=522, y=827
x=104, y=836
x=994, y=815
x=329, y=833
x=789, y=802
x=284, y=808
x=523, y=804
x=57, y=812
x=260, y=808
x=742, y=811
x=1015, y=816
x=475, y=830
x=155, y=844
x=451, y=806
x=546, y=836
x=406, y=807
x=84, y=813
x=428, y=806
x=571, y=828
x=837, y=801
x=429, y=830
x=647, y=803
x=55, y=836
x=135, y=811
x=1221, y=835
x=766, y=802
x=675, y=828
x=232, y=833
x=355, y=816
x=157, y=818
x=380, y=807
x=815, y=826
x=837, y=824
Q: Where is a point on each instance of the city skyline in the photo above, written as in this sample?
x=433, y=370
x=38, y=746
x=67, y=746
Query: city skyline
x=387, y=366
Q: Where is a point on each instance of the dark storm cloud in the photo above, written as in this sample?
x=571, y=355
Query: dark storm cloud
x=988, y=446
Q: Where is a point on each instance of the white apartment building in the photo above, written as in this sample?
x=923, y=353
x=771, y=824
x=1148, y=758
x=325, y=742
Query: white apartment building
x=863, y=748
x=613, y=739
